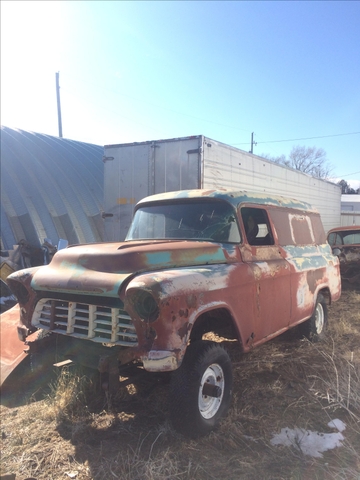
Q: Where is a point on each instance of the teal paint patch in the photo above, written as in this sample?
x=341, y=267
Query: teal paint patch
x=79, y=290
x=76, y=268
x=298, y=251
x=155, y=259
x=165, y=259
x=307, y=257
x=325, y=250
x=77, y=280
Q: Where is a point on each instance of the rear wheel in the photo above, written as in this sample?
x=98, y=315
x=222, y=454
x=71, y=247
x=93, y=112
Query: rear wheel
x=200, y=390
x=315, y=328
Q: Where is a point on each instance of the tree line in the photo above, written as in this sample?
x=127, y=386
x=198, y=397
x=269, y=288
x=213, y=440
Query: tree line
x=313, y=161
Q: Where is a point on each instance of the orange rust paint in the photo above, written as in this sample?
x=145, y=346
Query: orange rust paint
x=12, y=349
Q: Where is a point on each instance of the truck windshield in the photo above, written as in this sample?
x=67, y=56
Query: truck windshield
x=212, y=220
x=347, y=237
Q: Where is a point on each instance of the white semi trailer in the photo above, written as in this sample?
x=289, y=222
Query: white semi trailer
x=136, y=170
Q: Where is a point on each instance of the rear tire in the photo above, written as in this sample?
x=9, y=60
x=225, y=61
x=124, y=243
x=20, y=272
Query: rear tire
x=315, y=328
x=201, y=389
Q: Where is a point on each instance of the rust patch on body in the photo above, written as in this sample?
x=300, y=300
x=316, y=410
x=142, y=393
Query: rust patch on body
x=184, y=330
x=12, y=349
x=313, y=277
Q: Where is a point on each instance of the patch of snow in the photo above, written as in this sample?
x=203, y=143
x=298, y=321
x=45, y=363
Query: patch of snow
x=337, y=424
x=248, y=437
x=308, y=442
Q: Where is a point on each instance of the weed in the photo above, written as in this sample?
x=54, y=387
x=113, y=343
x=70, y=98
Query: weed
x=71, y=432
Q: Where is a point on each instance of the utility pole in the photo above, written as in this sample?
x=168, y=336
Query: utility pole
x=58, y=103
x=252, y=143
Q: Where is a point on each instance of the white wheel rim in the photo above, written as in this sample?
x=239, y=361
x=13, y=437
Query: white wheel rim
x=319, y=318
x=208, y=406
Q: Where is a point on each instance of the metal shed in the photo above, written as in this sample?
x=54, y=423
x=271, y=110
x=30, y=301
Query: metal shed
x=350, y=210
x=50, y=188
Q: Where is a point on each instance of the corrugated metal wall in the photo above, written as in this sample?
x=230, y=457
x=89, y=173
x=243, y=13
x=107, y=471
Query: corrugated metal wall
x=50, y=188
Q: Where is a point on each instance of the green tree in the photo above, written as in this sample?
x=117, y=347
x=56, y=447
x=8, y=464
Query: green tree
x=346, y=189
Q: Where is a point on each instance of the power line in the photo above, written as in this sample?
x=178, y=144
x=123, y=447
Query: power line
x=207, y=120
x=348, y=174
x=305, y=138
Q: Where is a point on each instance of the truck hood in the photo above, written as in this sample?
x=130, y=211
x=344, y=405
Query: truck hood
x=100, y=269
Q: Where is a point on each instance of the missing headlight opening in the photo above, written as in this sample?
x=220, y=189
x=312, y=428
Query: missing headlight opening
x=146, y=306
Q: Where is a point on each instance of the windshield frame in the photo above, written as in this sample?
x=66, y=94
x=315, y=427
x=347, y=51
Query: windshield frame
x=194, y=219
x=344, y=236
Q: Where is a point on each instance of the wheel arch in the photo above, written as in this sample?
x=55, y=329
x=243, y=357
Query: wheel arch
x=218, y=320
x=326, y=294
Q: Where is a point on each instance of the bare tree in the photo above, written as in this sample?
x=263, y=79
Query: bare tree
x=309, y=160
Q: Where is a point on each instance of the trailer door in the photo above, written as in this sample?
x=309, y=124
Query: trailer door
x=134, y=171
x=175, y=165
x=126, y=181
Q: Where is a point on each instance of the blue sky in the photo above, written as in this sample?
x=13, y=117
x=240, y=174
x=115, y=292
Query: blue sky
x=133, y=71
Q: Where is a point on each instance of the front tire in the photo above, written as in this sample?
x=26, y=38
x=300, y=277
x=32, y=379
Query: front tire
x=201, y=389
x=315, y=328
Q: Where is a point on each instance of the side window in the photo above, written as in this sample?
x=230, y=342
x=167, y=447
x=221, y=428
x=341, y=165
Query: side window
x=351, y=238
x=257, y=226
x=331, y=238
x=335, y=239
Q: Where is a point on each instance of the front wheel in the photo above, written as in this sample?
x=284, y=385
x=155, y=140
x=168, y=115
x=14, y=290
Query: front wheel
x=315, y=328
x=200, y=390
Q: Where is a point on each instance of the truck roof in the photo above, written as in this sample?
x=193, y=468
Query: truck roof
x=234, y=197
x=347, y=228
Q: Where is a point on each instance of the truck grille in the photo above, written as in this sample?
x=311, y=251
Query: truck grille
x=97, y=323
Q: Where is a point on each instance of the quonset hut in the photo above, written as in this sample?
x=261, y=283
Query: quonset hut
x=51, y=189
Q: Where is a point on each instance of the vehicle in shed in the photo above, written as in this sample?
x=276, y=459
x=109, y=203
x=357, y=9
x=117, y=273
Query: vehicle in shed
x=244, y=266
x=345, y=242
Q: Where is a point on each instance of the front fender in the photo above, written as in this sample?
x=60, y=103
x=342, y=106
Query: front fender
x=181, y=296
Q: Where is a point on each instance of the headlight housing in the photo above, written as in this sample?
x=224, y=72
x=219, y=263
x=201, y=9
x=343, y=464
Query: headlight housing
x=145, y=305
x=19, y=290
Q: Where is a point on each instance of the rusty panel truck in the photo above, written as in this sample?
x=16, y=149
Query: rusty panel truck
x=245, y=266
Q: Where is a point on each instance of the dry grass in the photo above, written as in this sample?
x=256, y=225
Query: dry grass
x=65, y=431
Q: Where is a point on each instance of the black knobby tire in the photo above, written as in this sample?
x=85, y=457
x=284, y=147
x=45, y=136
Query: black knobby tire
x=192, y=412
x=315, y=327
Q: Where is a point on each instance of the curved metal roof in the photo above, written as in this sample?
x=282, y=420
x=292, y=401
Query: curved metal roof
x=50, y=188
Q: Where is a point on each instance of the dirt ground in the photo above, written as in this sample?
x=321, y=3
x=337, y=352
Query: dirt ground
x=54, y=426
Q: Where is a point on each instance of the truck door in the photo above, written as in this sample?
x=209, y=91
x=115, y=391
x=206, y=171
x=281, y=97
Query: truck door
x=271, y=274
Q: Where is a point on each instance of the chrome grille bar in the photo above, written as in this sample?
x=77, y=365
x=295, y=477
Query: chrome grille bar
x=97, y=323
